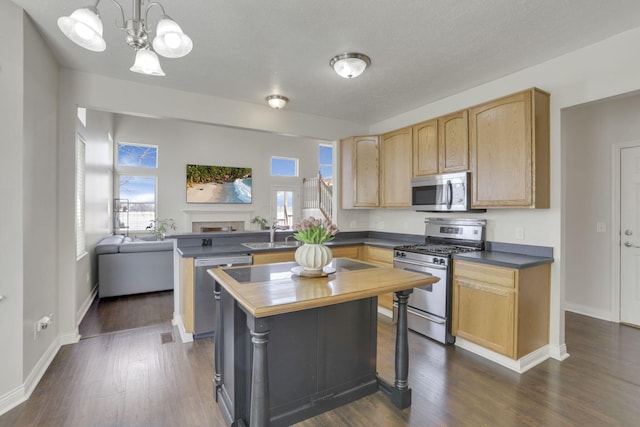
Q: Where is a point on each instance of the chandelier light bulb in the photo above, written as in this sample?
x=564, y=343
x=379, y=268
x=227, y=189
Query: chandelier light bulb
x=147, y=62
x=170, y=41
x=84, y=28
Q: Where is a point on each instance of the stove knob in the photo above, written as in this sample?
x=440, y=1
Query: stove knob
x=442, y=261
x=435, y=260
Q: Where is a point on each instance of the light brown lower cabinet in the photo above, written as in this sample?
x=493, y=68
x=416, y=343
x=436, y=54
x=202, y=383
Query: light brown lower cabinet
x=503, y=309
x=384, y=258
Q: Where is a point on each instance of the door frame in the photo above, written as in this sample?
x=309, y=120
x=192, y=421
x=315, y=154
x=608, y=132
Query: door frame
x=616, y=263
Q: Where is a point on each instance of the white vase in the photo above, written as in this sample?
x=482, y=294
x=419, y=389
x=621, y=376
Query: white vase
x=312, y=257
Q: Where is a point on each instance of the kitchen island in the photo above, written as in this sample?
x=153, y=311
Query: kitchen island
x=321, y=335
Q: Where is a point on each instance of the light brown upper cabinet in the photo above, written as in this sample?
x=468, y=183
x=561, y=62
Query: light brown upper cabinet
x=425, y=148
x=441, y=145
x=395, y=169
x=509, y=151
x=359, y=172
x=453, y=142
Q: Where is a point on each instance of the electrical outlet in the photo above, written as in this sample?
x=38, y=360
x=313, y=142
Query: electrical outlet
x=520, y=233
x=353, y=224
x=601, y=227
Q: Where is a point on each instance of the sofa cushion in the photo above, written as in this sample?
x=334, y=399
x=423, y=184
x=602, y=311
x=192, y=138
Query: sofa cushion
x=109, y=245
x=146, y=246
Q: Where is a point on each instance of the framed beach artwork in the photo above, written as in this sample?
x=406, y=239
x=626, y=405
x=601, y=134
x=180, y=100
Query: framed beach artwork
x=218, y=184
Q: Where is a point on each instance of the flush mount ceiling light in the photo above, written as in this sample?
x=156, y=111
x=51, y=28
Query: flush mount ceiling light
x=350, y=65
x=277, y=101
x=84, y=27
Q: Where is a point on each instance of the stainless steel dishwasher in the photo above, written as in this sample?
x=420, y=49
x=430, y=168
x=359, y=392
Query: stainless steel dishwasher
x=204, y=316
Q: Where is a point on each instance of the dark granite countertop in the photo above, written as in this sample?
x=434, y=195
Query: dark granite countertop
x=510, y=255
x=238, y=248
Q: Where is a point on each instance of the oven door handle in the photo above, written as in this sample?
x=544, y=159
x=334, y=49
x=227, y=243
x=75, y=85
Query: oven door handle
x=423, y=316
x=423, y=264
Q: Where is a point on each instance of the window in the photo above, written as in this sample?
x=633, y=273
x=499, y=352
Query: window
x=325, y=162
x=81, y=249
x=283, y=166
x=136, y=184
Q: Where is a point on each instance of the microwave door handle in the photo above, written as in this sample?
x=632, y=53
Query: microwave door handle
x=449, y=194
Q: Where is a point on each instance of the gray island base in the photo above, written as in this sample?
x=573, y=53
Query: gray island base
x=279, y=369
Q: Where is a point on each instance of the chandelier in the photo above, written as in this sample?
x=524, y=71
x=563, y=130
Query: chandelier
x=84, y=27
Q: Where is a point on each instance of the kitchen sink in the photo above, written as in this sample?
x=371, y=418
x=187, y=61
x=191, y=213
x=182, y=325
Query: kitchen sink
x=272, y=245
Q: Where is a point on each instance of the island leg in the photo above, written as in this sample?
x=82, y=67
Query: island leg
x=259, y=412
x=401, y=394
x=217, y=342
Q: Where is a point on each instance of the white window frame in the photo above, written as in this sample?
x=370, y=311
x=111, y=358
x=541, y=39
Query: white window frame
x=136, y=171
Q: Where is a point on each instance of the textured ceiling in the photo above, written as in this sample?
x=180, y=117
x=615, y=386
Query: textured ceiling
x=421, y=50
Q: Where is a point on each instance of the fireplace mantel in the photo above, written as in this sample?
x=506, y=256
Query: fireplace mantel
x=239, y=220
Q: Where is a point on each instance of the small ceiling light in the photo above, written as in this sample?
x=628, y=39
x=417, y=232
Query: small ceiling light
x=84, y=27
x=350, y=65
x=147, y=63
x=277, y=101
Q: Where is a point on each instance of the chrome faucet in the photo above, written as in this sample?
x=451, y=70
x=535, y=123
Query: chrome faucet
x=272, y=232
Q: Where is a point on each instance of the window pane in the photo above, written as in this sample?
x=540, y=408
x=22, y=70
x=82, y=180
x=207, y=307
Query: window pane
x=325, y=163
x=284, y=208
x=284, y=167
x=145, y=156
x=140, y=191
x=80, y=196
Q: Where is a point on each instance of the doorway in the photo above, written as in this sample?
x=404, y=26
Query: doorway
x=629, y=234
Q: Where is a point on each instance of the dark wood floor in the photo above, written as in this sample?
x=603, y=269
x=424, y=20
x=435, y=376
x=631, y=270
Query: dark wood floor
x=141, y=377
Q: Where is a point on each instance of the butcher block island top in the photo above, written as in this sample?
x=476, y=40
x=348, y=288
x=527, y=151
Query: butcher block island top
x=272, y=289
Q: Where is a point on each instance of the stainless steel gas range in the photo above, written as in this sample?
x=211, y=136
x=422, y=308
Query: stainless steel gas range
x=429, y=307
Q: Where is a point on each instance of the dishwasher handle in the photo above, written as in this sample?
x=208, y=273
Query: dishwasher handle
x=223, y=261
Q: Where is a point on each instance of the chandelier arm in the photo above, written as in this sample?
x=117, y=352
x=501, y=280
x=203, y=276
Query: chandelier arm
x=123, y=26
x=155, y=3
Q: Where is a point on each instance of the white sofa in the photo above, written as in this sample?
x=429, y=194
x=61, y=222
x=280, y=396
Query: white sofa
x=127, y=267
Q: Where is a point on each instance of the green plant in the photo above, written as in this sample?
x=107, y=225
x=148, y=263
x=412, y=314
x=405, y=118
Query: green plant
x=260, y=221
x=315, y=231
x=160, y=226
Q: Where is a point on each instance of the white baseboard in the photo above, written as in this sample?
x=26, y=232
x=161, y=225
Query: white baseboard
x=184, y=335
x=520, y=366
x=86, y=304
x=558, y=352
x=11, y=399
x=589, y=311
x=20, y=394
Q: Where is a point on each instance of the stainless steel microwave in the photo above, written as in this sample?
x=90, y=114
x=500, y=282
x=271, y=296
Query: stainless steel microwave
x=442, y=193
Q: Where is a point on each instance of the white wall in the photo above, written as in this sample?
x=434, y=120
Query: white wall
x=589, y=131
x=28, y=190
x=180, y=143
x=605, y=69
x=40, y=194
x=98, y=136
x=11, y=194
